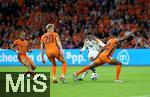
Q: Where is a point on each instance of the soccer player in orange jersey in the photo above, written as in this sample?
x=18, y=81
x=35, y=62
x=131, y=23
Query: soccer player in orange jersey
x=52, y=44
x=106, y=57
x=21, y=47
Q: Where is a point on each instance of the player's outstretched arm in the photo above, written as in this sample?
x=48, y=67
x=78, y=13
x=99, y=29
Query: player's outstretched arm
x=12, y=47
x=59, y=44
x=102, y=49
x=42, y=52
x=127, y=36
x=28, y=48
x=84, y=46
x=99, y=42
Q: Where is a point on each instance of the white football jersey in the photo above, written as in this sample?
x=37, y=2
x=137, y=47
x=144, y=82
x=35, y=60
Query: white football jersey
x=93, y=46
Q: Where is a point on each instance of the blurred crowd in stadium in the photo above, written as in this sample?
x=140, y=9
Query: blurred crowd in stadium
x=73, y=19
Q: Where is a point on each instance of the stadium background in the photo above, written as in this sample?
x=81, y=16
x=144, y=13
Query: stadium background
x=73, y=19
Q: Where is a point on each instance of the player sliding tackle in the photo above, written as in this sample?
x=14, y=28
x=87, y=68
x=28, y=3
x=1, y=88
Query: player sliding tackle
x=106, y=57
x=21, y=47
x=93, y=45
x=51, y=42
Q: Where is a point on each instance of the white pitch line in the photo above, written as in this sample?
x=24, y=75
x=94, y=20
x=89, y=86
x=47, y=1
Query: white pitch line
x=142, y=96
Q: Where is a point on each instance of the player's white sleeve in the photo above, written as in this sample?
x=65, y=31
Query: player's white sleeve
x=101, y=43
x=84, y=47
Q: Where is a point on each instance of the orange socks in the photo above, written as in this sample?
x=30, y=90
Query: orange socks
x=83, y=70
x=64, y=69
x=118, y=69
x=54, y=71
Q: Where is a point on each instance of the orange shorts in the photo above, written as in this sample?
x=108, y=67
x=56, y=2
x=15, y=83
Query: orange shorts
x=55, y=54
x=102, y=59
x=106, y=58
x=24, y=59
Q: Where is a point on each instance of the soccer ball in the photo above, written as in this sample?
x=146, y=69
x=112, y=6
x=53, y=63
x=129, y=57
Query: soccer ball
x=94, y=76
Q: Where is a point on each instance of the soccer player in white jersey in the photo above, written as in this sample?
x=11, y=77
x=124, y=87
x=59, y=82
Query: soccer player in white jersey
x=93, y=45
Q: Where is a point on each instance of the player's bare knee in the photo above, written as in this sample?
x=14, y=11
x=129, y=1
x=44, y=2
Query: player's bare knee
x=24, y=61
x=115, y=62
x=119, y=63
x=63, y=62
x=33, y=67
x=92, y=65
x=91, y=59
x=53, y=63
x=30, y=68
x=92, y=68
x=27, y=63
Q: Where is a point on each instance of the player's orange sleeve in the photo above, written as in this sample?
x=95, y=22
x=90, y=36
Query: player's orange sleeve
x=15, y=42
x=41, y=39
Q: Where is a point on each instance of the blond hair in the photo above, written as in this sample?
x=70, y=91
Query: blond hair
x=49, y=26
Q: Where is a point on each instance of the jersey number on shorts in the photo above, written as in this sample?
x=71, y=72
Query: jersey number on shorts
x=49, y=39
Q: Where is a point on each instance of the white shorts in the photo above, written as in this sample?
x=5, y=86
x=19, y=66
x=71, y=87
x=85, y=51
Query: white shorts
x=93, y=54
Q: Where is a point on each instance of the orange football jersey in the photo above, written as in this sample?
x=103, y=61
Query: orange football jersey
x=21, y=46
x=49, y=40
x=110, y=47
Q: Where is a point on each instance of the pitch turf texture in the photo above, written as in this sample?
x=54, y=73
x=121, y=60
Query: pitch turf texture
x=137, y=82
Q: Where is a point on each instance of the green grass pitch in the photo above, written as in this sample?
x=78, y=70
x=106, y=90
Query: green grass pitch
x=137, y=82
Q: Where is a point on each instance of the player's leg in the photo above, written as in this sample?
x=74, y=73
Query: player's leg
x=93, y=64
x=118, y=68
x=26, y=61
x=118, y=64
x=64, y=68
x=31, y=63
x=92, y=56
x=84, y=74
x=90, y=66
x=92, y=59
x=93, y=70
x=52, y=59
x=19, y=58
x=33, y=67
